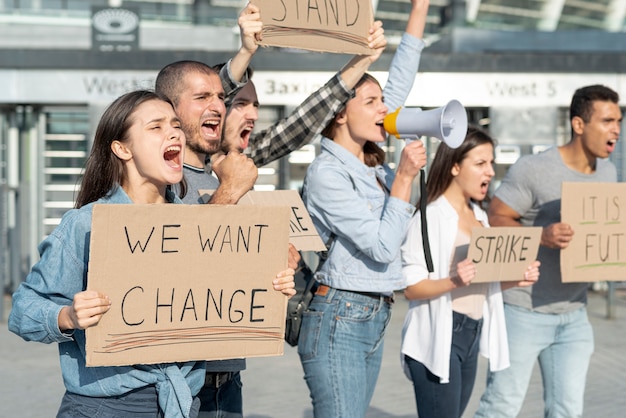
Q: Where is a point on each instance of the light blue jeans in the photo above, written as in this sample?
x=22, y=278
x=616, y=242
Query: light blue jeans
x=341, y=348
x=563, y=344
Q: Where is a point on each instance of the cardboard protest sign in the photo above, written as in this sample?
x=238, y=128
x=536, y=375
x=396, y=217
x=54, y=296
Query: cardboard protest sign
x=187, y=282
x=302, y=232
x=502, y=254
x=597, y=251
x=340, y=26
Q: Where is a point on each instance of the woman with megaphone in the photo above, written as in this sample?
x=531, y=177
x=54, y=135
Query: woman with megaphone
x=450, y=320
x=363, y=207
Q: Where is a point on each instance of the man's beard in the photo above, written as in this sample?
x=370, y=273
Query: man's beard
x=200, y=146
x=207, y=148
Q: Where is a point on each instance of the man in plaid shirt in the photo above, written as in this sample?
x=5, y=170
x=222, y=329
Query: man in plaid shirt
x=198, y=97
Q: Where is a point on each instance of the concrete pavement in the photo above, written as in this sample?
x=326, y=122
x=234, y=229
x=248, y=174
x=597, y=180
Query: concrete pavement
x=31, y=384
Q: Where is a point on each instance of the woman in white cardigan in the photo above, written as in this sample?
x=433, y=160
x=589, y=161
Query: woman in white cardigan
x=451, y=320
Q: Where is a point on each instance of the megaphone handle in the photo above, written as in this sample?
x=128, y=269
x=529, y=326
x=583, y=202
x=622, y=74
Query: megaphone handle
x=425, y=240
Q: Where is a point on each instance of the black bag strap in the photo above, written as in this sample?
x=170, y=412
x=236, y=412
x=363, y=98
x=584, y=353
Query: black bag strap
x=425, y=240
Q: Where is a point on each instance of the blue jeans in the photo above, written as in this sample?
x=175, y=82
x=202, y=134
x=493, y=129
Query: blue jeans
x=449, y=400
x=341, y=348
x=562, y=343
x=137, y=403
x=225, y=401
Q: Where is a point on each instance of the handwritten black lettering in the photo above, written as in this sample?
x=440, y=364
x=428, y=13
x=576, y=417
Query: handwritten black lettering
x=603, y=247
x=613, y=215
x=230, y=308
x=243, y=305
x=189, y=305
x=164, y=305
x=123, y=305
x=138, y=243
x=589, y=208
x=294, y=221
x=241, y=243
x=167, y=238
x=501, y=249
x=596, y=207
x=319, y=12
x=218, y=307
x=253, y=307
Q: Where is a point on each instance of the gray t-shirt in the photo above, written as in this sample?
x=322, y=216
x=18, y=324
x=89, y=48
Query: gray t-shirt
x=532, y=187
x=198, y=179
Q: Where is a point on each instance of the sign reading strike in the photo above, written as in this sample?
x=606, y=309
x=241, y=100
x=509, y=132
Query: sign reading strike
x=187, y=282
x=503, y=254
x=597, y=251
x=339, y=26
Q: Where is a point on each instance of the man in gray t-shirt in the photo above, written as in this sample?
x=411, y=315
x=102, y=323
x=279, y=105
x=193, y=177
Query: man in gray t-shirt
x=548, y=321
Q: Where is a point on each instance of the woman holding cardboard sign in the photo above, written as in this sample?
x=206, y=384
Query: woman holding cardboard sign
x=442, y=333
x=355, y=198
x=137, y=153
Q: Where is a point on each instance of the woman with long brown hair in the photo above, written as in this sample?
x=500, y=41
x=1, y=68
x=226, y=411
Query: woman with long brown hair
x=442, y=331
x=137, y=153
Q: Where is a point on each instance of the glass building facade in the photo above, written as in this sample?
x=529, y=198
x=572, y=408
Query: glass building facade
x=514, y=64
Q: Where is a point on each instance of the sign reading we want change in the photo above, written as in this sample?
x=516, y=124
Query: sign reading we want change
x=597, y=213
x=187, y=282
x=340, y=26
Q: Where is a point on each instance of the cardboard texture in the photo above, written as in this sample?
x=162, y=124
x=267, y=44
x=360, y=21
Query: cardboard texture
x=187, y=282
x=597, y=251
x=302, y=232
x=502, y=254
x=339, y=26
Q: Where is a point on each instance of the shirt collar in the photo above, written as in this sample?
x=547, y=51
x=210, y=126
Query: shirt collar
x=346, y=158
x=118, y=195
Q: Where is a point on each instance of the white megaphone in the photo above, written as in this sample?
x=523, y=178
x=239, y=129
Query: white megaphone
x=448, y=123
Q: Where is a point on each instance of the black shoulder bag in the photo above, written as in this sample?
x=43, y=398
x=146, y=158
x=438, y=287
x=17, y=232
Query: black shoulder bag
x=305, y=286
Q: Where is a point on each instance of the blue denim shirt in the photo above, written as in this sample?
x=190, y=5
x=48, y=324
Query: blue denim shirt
x=52, y=283
x=343, y=198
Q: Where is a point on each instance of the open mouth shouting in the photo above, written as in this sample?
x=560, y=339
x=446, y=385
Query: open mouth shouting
x=211, y=127
x=244, y=136
x=381, y=125
x=610, y=145
x=172, y=156
x=484, y=187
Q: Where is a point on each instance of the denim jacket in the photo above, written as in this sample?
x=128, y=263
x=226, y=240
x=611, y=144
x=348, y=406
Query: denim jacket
x=52, y=283
x=344, y=199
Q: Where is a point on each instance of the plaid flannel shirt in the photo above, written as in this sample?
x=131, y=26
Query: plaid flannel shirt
x=311, y=117
x=300, y=127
